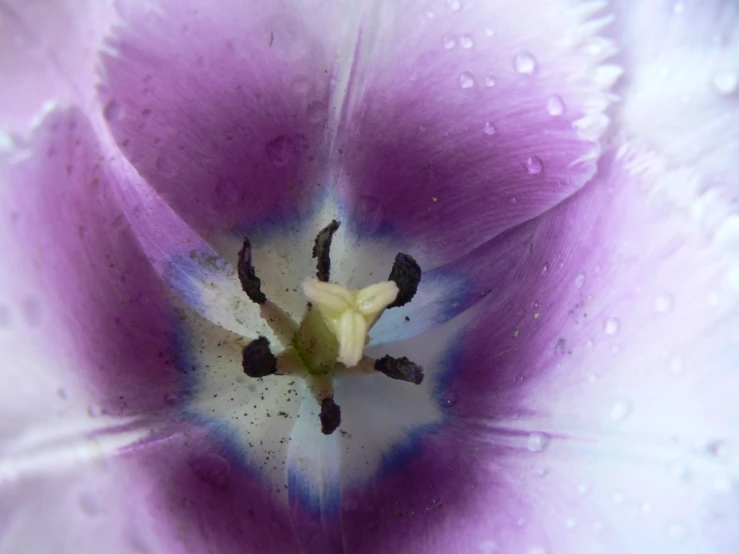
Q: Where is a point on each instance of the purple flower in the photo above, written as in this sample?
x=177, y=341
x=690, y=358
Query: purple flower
x=570, y=353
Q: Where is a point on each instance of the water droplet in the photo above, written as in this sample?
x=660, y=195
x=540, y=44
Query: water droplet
x=422, y=128
x=675, y=530
x=645, y=508
x=93, y=410
x=544, y=269
x=536, y=550
x=677, y=365
x=465, y=41
x=570, y=523
x=489, y=128
x=89, y=504
x=302, y=85
x=449, y=42
x=317, y=112
x=611, y=326
x=514, y=200
x=454, y=5
x=580, y=280
x=663, y=303
x=524, y=63
x=620, y=410
x=537, y=442
x=31, y=310
x=466, y=80
x=170, y=399
x=281, y=150
x=520, y=522
x=212, y=469
x=725, y=82
x=448, y=398
x=618, y=497
x=678, y=8
x=488, y=32
x=6, y=320
x=490, y=81
x=555, y=105
x=534, y=165
x=583, y=489
x=113, y=111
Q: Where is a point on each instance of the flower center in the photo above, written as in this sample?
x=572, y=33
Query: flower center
x=333, y=333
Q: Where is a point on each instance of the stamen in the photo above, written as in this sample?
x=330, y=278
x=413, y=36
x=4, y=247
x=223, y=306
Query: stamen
x=322, y=248
x=401, y=369
x=258, y=360
x=330, y=415
x=349, y=314
x=251, y=284
x=406, y=273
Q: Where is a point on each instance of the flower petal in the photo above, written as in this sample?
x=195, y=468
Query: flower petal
x=593, y=408
x=223, y=107
x=482, y=114
x=82, y=302
x=48, y=53
x=682, y=94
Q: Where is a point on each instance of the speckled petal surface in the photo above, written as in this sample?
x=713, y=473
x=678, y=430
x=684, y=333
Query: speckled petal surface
x=591, y=409
x=81, y=300
x=484, y=114
x=223, y=107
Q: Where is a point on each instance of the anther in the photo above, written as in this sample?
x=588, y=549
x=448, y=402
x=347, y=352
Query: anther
x=251, y=284
x=401, y=369
x=406, y=273
x=258, y=360
x=322, y=249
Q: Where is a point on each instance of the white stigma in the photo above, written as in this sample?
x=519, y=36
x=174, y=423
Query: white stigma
x=350, y=314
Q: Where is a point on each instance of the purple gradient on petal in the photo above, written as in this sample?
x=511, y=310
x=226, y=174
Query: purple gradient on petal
x=222, y=110
x=202, y=500
x=97, y=288
x=450, y=159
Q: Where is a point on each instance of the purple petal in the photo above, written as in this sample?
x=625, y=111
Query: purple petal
x=202, y=500
x=465, y=119
x=47, y=54
x=682, y=95
x=82, y=298
x=593, y=401
x=223, y=107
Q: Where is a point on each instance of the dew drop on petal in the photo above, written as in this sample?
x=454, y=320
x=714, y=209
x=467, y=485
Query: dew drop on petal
x=93, y=410
x=466, y=42
x=6, y=320
x=488, y=32
x=317, y=112
x=725, y=82
x=449, y=42
x=212, y=469
x=524, y=63
x=618, y=497
x=537, y=442
x=490, y=81
x=489, y=128
x=620, y=410
x=580, y=280
x=536, y=550
x=570, y=523
x=677, y=365
x=675, y=530
x=645, y=507
x=611, y=326
x=534, y=165
x=555, y=105
x=113, y=111
x=31, y=311
x=454, y=5
x=466, y=80
x=663, y=303
x=583, y=489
